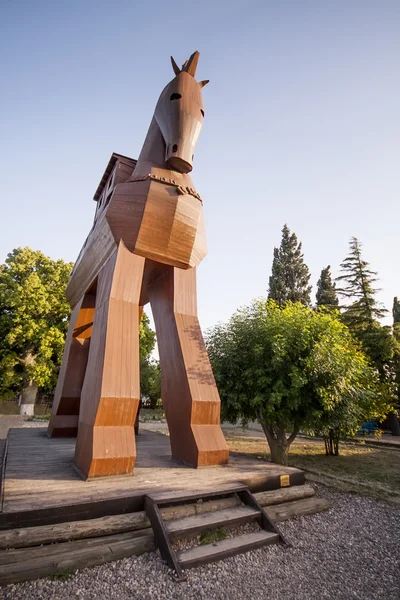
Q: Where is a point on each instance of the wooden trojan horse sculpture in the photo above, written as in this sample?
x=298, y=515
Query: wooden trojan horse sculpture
x=146, y=241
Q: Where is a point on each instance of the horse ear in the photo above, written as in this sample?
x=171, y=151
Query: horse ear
x=204, y=82
x=175, y=66
x=191, y=65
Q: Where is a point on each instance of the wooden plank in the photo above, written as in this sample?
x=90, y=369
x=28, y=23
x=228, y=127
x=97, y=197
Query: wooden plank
x=95, y=252
x=181, y=497
x=70, y=513
x=225, y=518
x=64, y=532
x=161, y=535
x=225, y=548
x=79, y=558
x=21, y=554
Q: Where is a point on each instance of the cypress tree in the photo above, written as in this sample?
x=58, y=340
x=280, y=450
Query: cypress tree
x=396, y=312
x=393, y=419
x=289, y=280
x=358, y=284
x=326, y=290
x=362, y=318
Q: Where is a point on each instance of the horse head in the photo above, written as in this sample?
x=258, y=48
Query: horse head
x=179, y=115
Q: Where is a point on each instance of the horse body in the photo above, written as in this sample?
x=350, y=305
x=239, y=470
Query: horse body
x=148, y=238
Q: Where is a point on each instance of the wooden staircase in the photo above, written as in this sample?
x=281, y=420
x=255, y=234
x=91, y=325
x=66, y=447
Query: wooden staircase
x=167, y=531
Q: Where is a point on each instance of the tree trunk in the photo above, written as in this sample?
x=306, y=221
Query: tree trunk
x=336, y=444
x=278, y=443
x=393, y=423
x=279, y=452
x=332, y=443
x=28, y=399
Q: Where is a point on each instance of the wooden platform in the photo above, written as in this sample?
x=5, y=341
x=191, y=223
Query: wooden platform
x=39, y=474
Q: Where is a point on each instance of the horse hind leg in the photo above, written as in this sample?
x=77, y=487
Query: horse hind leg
x=65, y=412
x=111, y=390
x=188, y=390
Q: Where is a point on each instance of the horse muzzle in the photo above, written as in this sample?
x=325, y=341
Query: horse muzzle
x=179, y=158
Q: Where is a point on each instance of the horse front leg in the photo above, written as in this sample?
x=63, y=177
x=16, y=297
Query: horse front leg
x=188, y=390
x=111, y=390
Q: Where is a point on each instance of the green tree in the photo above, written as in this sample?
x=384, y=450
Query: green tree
x=396, y=313
x=326, y=290
x=393, y=417
x=290, y=368
x=147, y=338
x=150, y=379
x=290, y=276
x=33, y=322
x=370, y=400
x=358, y=281
x=362, y=317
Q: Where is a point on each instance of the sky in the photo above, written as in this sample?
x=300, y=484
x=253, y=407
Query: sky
x=301, y=127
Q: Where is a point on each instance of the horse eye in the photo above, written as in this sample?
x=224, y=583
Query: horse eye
x=175, y=97
x=202, y=111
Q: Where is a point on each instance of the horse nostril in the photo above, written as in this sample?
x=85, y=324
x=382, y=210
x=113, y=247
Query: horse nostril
x=174, y=148
x=192, y=156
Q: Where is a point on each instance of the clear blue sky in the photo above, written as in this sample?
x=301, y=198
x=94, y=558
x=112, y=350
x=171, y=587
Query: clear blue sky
x=302, y=126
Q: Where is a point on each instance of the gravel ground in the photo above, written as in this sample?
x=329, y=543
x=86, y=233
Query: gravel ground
x=350, y=552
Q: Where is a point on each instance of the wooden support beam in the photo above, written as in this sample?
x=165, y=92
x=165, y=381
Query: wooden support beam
x=34, y=563
x=297, y=508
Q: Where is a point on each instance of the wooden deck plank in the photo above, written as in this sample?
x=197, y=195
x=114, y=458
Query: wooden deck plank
x=39, y=473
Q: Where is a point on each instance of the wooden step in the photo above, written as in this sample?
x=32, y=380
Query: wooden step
x=181, y=497
x=221, y=518
x=225, y=548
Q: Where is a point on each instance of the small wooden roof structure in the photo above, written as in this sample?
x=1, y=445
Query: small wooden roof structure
x=111, y=164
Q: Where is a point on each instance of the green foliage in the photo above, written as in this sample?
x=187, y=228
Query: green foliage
x=289, y=281
x=150, y=378
x=147, y=338
x=153, y=414
x=291, y=369
x=358, y=285
x=210, y=536
x=396, y=312
x=39, y=418
x=33, y=319
x=396, y=343
x=150, y=381
x=62, y=575
x=379, y=345
x=362, y=316
x=326, y=290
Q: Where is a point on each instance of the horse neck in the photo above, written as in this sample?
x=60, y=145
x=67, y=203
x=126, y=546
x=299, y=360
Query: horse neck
x=153, y=151
x=152, y=158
